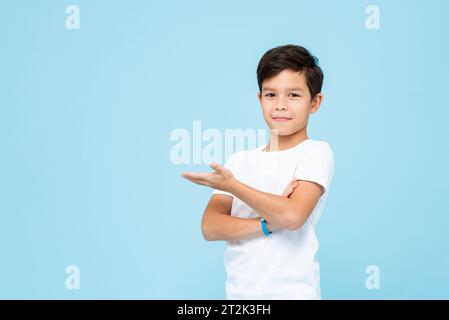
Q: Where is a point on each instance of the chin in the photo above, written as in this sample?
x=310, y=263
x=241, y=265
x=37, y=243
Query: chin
x=282, y=131
x=285, y=134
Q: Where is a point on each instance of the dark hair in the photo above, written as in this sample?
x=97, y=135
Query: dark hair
x=291, y=57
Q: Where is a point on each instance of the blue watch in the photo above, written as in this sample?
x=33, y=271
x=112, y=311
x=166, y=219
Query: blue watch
x=264, y=227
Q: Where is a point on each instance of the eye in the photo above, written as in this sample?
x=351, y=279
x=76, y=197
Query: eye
x=269, y=95
x=295, y=95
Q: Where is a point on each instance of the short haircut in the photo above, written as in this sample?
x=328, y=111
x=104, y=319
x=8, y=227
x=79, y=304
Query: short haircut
x=291, y=57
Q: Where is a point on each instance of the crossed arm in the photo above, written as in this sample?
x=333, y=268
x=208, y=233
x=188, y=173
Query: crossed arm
x=289, y=211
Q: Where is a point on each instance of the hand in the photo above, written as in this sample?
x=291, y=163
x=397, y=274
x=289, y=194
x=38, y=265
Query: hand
x=287, y=193
x=221, y=179
x=290, y=188
x=272, y=227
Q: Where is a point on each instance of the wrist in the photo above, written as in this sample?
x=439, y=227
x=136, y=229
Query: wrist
x=265, y=230
x=232, y=185
x=268, y=227
x=272, y=227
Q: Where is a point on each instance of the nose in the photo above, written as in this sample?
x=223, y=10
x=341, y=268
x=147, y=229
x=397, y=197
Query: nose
x=280, y=107
x=280, y=104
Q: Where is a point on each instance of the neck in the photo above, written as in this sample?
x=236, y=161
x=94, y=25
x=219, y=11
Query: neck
x=286, y=142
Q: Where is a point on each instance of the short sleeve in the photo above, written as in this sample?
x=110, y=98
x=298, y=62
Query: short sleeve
x=317, y=165
x=229, y=164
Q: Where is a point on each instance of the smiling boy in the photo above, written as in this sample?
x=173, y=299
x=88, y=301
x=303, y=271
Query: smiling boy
x=267, y=201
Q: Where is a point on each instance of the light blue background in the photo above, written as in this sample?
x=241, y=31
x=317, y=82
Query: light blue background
x=85, y=119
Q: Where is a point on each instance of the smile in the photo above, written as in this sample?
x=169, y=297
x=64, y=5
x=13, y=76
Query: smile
x=281, y=119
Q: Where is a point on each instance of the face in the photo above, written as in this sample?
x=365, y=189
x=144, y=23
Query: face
x=286, y=102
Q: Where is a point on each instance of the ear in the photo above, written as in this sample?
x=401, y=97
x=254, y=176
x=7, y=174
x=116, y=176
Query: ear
x=259, y=96
x=316, y=102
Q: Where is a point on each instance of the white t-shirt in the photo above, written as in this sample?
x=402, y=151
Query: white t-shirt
x=282, y=265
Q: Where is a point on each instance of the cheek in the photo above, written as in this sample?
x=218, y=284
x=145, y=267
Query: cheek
x=299, y=108
x=266, y=109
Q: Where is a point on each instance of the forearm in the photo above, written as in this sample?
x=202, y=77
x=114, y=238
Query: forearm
x=277, y=210
x=226, y=227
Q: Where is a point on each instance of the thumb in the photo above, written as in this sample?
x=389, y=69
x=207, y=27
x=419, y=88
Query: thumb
x=215, y=166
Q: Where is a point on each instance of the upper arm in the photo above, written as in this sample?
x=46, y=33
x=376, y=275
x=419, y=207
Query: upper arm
x=218, y=204
x=314, y=173
x=305, y=197
x=317, y=166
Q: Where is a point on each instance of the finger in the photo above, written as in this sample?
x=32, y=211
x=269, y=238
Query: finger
x=290, y=189
x=215, y=166
x=293, y=186
x=287, y=191
x=196, y=175
x=199, y=178
x=190, y=178
x=290, y=184
x=199, y=181
x=293, y=189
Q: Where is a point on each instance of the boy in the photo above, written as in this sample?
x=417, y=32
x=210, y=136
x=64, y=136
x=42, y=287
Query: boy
x=268, y=200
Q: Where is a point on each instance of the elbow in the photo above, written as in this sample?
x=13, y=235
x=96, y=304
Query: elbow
x=208, y=237
x=294, y=221
x=205, y=230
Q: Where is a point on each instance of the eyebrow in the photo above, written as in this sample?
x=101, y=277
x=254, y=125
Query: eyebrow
x=288, y=89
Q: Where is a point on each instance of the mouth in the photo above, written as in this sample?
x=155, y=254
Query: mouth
x=281, y=119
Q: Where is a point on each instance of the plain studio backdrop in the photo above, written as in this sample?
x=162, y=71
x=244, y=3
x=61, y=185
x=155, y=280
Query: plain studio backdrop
x=91, y=92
